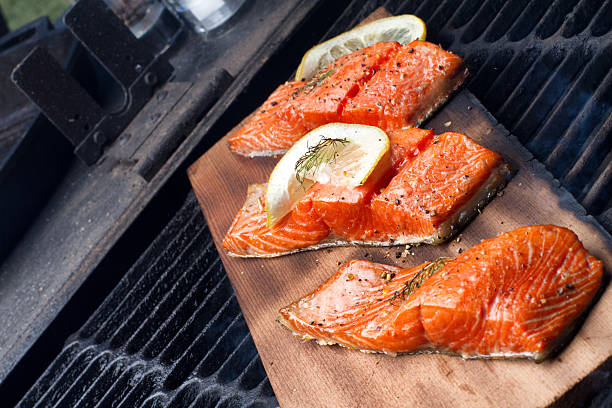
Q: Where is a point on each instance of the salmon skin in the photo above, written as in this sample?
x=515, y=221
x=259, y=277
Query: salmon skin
x=385, y=85
x=513, y=296
x=434, y=186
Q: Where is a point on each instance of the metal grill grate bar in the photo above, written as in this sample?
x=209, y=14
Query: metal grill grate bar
x=68, y=377
x=568, y=107
x=193, y=332
x=599, y=194
x=204, y=332
x=220, y=351
x=51, y=375
x=84, y=379
x=504, y=20
x=102, y=384
x=138, y=393
x=541, y=71
x=151, y=286
x=136, y=277
x=170, y=330
x=584, y=127
x=159, y=313
x=586, y=167
x=544, y=103
x=194, y=327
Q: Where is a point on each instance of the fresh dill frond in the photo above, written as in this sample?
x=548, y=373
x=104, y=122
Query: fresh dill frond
x=324, y=152
x=317, y=80
x=418, y=279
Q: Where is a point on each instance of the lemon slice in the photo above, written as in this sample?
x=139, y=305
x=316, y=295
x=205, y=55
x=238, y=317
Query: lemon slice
x=403, y=29
x=338, y=153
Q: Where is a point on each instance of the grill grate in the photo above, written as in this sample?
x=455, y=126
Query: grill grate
x=170, y=334
x=544, y=70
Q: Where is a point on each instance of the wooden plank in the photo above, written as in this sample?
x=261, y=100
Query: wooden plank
x=305, y=374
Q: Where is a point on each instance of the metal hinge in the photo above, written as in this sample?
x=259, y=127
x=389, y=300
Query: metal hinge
x=135, y=71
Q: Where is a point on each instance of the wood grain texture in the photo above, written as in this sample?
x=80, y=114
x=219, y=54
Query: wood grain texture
x=309, y=375
x=306, y=374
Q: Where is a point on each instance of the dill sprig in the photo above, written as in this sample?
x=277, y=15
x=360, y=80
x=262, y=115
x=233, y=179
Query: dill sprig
x=317, y=80
x=418, y=279
x=326, y=151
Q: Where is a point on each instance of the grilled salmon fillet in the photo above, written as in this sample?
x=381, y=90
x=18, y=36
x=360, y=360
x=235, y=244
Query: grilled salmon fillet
x=435, y=185
x=512, y=296
x=385, y=85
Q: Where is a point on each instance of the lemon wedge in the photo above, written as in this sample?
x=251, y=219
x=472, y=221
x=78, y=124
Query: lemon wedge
x=404, y=29
x=338, y=153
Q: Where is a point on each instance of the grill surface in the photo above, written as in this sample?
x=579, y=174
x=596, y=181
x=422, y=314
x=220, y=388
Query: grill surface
x=544, y=69
x=171, y=333
x=552, y=87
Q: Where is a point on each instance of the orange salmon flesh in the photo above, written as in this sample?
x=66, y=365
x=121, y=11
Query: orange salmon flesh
x=385, y=85
x=435, y=185
x=512, y=296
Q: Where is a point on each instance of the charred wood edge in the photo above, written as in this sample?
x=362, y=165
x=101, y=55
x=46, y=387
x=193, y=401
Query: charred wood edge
x=593, y=391
x=605, y=218
x=598, y=383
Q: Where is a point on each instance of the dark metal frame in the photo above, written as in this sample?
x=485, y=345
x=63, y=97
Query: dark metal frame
x=85, y=123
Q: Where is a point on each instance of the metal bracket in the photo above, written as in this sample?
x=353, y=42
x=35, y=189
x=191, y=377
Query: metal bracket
x=127, y=61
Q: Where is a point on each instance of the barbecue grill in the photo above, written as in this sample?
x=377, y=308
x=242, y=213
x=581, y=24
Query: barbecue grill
x=113, y=293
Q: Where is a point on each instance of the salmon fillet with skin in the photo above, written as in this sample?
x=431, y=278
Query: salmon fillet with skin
x=366, y=87
x=426, y=200
x=438, y=188
x=513, y=296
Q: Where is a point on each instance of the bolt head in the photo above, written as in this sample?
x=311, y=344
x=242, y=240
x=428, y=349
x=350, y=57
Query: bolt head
x=150, y=78
x=99, y=138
